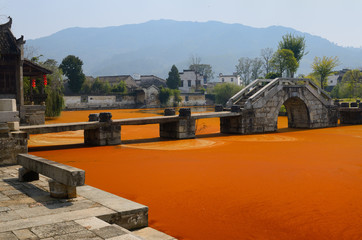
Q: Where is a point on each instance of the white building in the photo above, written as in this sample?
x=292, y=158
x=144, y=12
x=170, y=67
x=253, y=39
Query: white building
x=332, y=80
x=190, y=81
x=235, y=79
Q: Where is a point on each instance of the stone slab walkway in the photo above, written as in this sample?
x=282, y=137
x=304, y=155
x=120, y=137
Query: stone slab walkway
x=28, y=212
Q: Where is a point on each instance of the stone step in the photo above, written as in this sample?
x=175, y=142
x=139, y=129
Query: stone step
x=127, y=214
x=148, y=233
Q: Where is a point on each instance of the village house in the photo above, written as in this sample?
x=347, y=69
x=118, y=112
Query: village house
x=336, y=78
x=234, y=78
x=190, y=81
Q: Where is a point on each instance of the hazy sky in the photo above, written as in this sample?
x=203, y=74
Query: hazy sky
x=337, y=20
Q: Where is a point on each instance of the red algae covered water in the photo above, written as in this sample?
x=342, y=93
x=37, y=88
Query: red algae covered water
x=293, y=184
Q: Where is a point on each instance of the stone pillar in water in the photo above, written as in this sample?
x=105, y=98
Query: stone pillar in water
x=182, y=128
x=106, y=134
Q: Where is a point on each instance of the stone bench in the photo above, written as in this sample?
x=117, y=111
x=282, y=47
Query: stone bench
x=64, y=179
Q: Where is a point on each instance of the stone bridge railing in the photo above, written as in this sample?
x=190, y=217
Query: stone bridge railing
x=295, y=82
x=247, y=90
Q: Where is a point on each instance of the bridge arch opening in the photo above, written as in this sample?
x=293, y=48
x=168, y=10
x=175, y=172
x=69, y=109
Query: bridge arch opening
x=297, y=112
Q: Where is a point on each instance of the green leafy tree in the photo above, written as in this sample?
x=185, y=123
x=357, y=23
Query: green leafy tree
x=164, y=95
x=176, y=97
x=294, y=43
x=173, y=81
x=323, y=67
x=353, y=80
x=223, y=92
x=72, y=68
x=101, y=88
x=121, y=87
x=283, y=60
x=272, y=75
x=86, y=86
x=54, y=102
x=297, y=45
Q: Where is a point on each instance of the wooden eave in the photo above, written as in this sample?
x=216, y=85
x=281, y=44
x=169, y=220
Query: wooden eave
x=31, y=69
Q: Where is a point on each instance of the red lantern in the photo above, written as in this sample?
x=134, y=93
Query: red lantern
x=45, y=80
x=33, y=84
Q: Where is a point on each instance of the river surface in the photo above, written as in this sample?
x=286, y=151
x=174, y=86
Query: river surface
x=293, y=184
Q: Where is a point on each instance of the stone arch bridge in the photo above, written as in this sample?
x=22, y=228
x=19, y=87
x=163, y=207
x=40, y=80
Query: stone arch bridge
x=307, y=105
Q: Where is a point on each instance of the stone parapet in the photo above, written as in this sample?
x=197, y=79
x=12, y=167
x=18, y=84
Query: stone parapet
x=350, y=115
x=32, y=115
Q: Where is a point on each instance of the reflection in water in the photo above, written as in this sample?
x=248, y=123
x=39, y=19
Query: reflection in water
x=294, y=184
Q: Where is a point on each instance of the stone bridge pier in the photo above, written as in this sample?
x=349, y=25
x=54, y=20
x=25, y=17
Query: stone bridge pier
x=105, y=134
x=108, y=132
x=183, y=128
x=306, y=104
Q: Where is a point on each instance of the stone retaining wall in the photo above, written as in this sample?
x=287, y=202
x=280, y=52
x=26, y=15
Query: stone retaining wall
x=12, y=141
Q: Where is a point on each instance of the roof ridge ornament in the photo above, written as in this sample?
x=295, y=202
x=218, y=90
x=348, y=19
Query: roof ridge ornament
x=8, y=24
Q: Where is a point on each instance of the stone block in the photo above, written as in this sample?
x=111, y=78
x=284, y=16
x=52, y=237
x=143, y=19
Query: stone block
x=183, y=128
x=25, y=234
x=59, y=190
x=106, y=135
x=14, y=126
x=7, y=116
x=150, y=233
x=185, y=112
x=354, y=104
x=8, y=236
x=93, y=117
x=235, y=108
x=108, y=232
x=105, y=117
x=219, y=108
x=344, y=104
x=8, y=105
x=4, y=128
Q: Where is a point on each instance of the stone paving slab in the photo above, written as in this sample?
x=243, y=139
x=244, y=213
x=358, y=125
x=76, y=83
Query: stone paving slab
x=28, y=212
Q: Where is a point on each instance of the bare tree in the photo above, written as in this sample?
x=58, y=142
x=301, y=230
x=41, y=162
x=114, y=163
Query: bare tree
x=256, y=68
x=195, y=60
x=244, y=69
x=30, y=52
x=249, y=69
x=267, y=54
x=204, y=69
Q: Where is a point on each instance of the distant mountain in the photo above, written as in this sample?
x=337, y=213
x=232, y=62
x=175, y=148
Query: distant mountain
x=153, y=47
